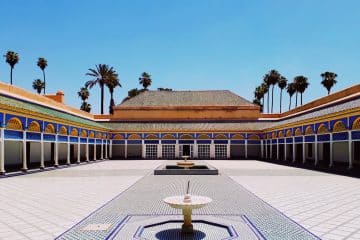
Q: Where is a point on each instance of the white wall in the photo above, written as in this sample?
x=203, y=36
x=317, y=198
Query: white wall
x=340, y=152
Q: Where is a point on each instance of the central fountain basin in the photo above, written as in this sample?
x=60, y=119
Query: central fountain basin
x=195, y=168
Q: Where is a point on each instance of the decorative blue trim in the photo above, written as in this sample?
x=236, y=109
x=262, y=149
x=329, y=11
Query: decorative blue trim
x=323, y=138
x=281, y=140
x=118, y=142
x=168, y=141
x=30, y=120
x=237, y=141
x=254, y=142
x=62, y=138
x=220, y=141
x=49, y=137
x=355, y=135
x=343, y=120
x=134, y=142
x=340, y=136
x=33, y=136
x=151, y=141
x=13, y=134
x=352, y=120
x=273, y=141
x=298, y=139
x=203, y=141
x=83, y=140
x=289, y=140
x=186, y=141
x=98, y=141
x=74, y=139
x=310, y=138
x=91, y=140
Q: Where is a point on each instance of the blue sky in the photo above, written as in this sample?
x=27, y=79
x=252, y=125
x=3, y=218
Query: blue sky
x=196, y=45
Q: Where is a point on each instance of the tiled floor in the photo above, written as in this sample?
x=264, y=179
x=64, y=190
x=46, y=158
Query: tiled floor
x=326, y=204
x=43, y=205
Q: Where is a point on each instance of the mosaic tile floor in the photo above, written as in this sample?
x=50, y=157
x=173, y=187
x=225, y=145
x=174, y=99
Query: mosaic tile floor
x=144, y=199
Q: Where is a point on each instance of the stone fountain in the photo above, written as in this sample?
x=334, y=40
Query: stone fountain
x=187, y=203
x=185, y=164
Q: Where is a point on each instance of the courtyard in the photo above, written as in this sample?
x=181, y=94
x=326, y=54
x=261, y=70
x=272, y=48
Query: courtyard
x=299, y=203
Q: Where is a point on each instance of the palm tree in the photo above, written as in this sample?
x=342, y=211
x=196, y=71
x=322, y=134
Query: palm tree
x=259, y=94
x=145, y=80
x=38, y=85
x=84, y=93
x=100, y=76
x=264, y=89
x=282, y=84
x=291, y=90
x=112, y=82
x=258, y=102
x=301, y=83
x=42, y=64
x=12, y=58
x=272, y=79
x=328, y=80
x=85, y=107
x=267, y=84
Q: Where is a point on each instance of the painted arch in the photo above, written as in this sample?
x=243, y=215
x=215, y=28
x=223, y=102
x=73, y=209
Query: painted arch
x=322, y=129
x=14, y=124
x=220, y=137
x=298, y=132
x=237, y=136
x=281, y=134
x=74, y=132
x=254, y=137
x=98, y=135
x=168, y=137
x=186, y=137
x=152, y=137
x=134, y=136
x=34, y=127
x=63, y=130
x=50, y=128
x=356, y=124
x=92, y=134
x=288, y=133
x=203, y=136
x=339, y=127
x=83, y=133
x=309, y=131
x=273, y=135
x=118, y=137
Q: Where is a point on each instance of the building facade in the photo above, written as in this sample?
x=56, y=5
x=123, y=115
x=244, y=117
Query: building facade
x=41, y=131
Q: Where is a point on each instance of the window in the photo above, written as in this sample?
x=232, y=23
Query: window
x=151, y=151
x=220, y=151
x=204, y=151
x=168, y=151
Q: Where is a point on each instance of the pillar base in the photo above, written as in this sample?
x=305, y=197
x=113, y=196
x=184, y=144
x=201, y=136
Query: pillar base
x=69, y=164
x=56, y=165
x=2, y=173
x=42, y=168
x=24, y=169
x=187, y=229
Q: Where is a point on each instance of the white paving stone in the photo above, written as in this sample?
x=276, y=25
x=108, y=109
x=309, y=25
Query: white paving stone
x=326, y=204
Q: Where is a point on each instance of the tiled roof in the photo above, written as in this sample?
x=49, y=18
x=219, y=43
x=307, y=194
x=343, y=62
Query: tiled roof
x=18, y=104
x=187, y=98
x=168, y=127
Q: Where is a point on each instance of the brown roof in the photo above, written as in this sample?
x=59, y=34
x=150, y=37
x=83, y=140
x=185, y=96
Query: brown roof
x=186, y=98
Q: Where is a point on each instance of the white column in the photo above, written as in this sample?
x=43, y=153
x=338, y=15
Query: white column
x=212, y=149
x=177, y=149
x=110, y=149
x=87, y=150
x=331, y=150
x=228, y=149
x=102, y=149
x=285, y=149
x=143, y=148
x=106, y=149
x=42, y=161
x=68, y=152
x=246, y=148
x=2, y=153
x=95, y=149
x=24, y=160
x=316, y=151
x=125, y=149
x=196, y=150
x=159, y=150
x=294, y=148
x=56, y=152
x=350, y=151
x=271, y=148
x=262, y=148
x=266, y=149
x=303, y=150
x=277, y=149
x=78, y=151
